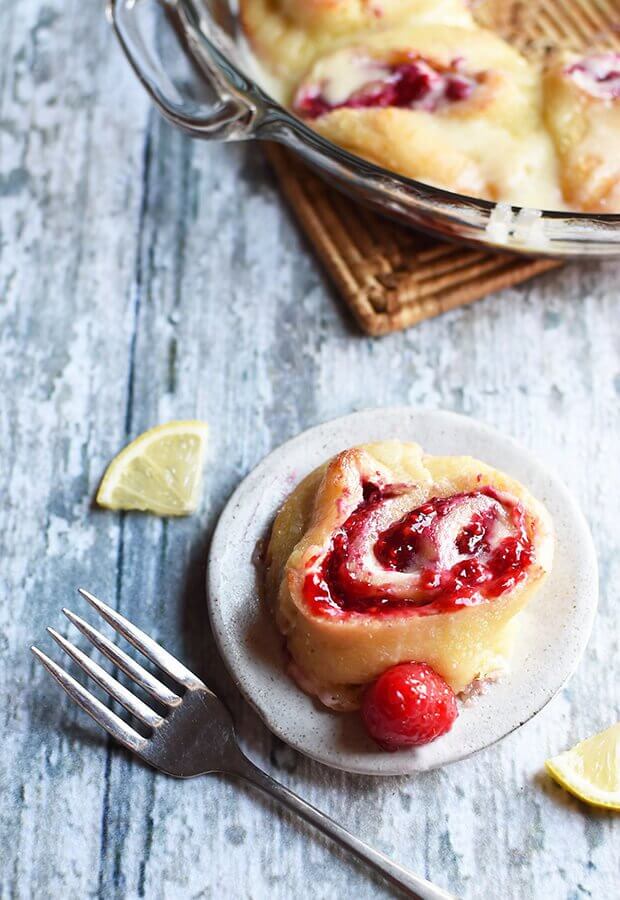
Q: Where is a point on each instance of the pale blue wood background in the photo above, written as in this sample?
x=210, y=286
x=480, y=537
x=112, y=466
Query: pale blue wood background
x=145, y=277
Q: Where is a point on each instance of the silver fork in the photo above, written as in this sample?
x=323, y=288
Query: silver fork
x=196, y=736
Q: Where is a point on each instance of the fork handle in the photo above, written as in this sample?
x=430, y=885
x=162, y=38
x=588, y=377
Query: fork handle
x=412, y=885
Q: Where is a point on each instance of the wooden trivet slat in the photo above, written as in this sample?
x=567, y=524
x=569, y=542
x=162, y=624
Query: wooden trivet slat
x=392, y=277
x=389, y=276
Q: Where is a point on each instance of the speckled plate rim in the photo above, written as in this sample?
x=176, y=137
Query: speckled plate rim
x=554, y=630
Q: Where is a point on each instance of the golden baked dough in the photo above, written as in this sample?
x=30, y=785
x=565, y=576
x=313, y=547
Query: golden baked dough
x=287, y=35
x=505, y=132
x=582, y=110
x=353, y=596
x=474, y=126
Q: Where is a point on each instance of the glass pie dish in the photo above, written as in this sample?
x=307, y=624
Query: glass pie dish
x=192, y=59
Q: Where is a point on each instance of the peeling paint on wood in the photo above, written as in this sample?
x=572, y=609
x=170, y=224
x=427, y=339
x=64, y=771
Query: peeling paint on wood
x=145, y=277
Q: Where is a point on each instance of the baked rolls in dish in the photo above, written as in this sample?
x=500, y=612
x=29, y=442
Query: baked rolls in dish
x=287, y=35
x=455, y=107
x=386, y=555
x=582, y=110
x=419, y=88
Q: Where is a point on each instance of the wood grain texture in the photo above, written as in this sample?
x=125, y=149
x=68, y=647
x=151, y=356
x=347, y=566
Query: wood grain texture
x=145, y=277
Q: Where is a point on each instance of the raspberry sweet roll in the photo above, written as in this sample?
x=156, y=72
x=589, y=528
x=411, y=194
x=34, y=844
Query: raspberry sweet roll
x=287, y=35
x=455, y=107
x=385, y=555
x=582, y=110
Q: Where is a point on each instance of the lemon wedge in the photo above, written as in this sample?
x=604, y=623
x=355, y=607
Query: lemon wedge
x=591, y=770
x=159, y=472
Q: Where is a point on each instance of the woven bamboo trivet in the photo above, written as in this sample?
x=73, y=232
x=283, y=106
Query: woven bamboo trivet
x=392, y=277
x=389, y=276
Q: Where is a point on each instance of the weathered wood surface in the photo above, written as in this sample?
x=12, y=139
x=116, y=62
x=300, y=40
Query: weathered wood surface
x=145, y=277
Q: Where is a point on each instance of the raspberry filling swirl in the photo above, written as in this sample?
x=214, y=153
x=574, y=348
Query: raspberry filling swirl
x=408, y=83
x=598, y=75
x=449, y=552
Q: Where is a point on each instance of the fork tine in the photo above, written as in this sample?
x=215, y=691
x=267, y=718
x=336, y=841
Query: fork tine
x=129, y=666
x=95, y=708
x=109, y=684
x=144, y=643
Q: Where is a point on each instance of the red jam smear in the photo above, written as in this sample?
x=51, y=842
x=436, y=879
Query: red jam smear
x=488, y=570
x=598, y=74
x=408, y=85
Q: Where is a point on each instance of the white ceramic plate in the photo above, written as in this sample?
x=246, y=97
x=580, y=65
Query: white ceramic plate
x=554, y=628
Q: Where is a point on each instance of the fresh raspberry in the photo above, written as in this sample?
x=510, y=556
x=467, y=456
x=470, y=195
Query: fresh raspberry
x=408, y=705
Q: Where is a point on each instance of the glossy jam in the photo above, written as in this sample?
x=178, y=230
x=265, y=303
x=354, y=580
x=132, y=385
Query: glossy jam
x=486, y=567
x=599, y=75
x=410, y=85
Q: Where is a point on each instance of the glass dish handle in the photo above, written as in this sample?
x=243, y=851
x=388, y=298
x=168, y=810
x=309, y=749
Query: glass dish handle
x=219, y=116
